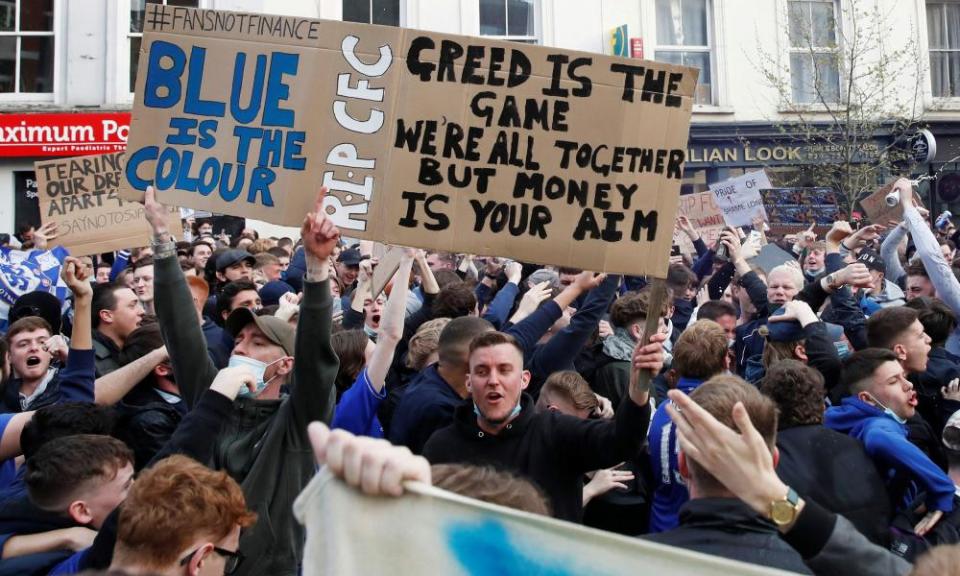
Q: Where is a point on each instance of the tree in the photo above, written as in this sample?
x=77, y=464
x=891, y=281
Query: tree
x=848, y=92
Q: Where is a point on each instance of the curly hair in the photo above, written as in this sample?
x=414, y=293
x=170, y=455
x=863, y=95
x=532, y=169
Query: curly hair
x=171, y=505
x=454, y=300
x=798, y=391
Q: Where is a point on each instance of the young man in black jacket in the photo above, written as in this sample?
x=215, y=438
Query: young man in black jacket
x=714, y=521
x=498, y=425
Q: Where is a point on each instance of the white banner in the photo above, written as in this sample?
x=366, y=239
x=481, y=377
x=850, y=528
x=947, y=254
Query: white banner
x=739, y=198
x=431, y=531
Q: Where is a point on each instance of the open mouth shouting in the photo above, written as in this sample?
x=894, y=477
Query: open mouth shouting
x=33, y=361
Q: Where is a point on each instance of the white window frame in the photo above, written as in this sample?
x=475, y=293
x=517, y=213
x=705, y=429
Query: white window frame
x=925, y=39
x=838, y=50
x=536, y=38
x=118, y=51
x=402, y=7
x=58, y=40
x=710, y=49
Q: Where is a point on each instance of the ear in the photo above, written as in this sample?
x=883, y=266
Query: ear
x=162, y=371
x=524, y=379
x=776, y=457
x=636, y=330
x=682, y=466
x=800, y=352
x=865, y=397
x=106, y=317
x=199, y=558
x=726, y=361
x=80, y=513
x=468, y=381
x=553, y=408
x=900, y=351
x=221, y=277
x=285, y=366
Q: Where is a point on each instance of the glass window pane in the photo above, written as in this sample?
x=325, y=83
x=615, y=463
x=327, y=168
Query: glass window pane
x=669, y=31
x=134, y=60
x=952, y=26
x=190, y=3
x=138, y=10
x=520, y=18
x=386, y=12
x=801, y=78
x=701, y=60
x=356, y=11
x=798, y=14
x=493, y=18
x=823, y=25
x=936, y=27
x=695, y=22
x=669, y=57
x=8, y=14
x=828, y=77
x=36, y=15
x=8, y=64
x=939, y=73
x=36, y=64
x=952, y=86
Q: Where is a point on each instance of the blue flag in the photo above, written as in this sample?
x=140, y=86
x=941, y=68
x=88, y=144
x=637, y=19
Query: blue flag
x=28, y=271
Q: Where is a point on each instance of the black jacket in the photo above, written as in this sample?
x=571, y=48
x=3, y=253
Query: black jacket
x=551, y=449
x=145, y=422
x=942, y=367
x=727, y=527
x=834, y=470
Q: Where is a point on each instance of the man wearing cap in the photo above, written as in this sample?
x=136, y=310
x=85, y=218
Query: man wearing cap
x=234, y=265
x=882, y=293
x=348, y=268
x=264, y=444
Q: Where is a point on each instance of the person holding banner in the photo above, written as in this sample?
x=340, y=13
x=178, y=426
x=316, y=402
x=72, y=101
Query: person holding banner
x=263, y=442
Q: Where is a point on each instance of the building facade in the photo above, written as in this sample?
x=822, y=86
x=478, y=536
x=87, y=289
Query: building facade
x=67, y=68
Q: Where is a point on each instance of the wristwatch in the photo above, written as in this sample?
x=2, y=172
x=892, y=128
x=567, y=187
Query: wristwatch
x=783, y=512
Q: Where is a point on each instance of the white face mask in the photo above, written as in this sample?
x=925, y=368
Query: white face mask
x=888, y=411
x=257, y=367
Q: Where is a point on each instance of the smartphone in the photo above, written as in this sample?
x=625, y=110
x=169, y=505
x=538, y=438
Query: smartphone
x=675, y=250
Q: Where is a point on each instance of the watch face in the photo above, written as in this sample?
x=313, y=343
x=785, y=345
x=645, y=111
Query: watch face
x=782, y=512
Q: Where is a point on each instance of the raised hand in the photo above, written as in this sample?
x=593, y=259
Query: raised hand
x=76, y=277
x=318, y=232
x=155, y=213
x=230, y=381
x=43, y=236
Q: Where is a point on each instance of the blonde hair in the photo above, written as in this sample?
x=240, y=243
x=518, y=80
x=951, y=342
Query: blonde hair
x=794, y=274
x=425, y=342
x=570, y=386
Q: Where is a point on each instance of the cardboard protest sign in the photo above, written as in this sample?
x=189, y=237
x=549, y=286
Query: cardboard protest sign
x=429, y=140
x=739, y=198
x=351, y=534
x=770, y=257
x=80, y=195
x=877, y=209
x=705, y=216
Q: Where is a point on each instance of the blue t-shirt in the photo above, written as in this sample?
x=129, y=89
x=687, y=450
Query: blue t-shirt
x=357, y=410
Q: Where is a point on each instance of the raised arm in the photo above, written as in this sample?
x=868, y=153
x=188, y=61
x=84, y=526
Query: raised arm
x=173, y=302
x=313, y=394
x=941, y=275
x=110, y=388
x=391, y=324
x=888, y=251
x=77, y=377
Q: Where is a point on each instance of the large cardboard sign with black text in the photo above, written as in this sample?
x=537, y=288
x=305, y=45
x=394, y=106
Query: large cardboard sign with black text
x=80, y=195
x=429, y=140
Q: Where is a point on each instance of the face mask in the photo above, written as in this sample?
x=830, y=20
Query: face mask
x=258, y=368
x=513, y=413
x=888, y=411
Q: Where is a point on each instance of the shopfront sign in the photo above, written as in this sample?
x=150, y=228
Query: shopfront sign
x=64, y=134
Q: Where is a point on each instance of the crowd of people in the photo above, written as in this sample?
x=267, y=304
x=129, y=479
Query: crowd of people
x=163, y=418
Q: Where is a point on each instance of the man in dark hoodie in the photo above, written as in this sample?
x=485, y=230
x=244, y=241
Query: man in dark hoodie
x=820, y=464
x=499, y=426
x=881, y=401
x=263, y=444
x=943, y=366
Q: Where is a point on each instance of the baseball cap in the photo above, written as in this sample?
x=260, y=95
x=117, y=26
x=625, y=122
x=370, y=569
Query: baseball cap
x=350, y=257
x=276, y=330
x=792, y=331
x=231, y=257
x=272, y=291
x=872, y=260
x=37, y=303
